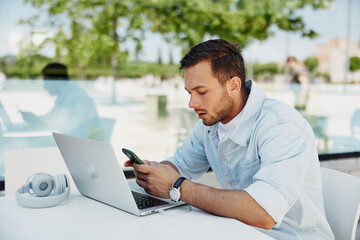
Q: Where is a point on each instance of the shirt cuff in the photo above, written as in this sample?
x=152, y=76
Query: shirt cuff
x=269, y=198
x=182, y=173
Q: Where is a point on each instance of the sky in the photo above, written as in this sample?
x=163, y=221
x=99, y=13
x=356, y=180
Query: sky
x=329, y=23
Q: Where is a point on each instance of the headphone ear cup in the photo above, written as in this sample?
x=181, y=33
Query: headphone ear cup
x=60, y=184
x=42, y=184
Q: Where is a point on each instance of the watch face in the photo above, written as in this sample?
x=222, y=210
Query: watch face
x=174, y=194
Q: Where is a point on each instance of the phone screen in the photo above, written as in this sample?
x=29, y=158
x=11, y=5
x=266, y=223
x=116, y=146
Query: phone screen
x=132, y=156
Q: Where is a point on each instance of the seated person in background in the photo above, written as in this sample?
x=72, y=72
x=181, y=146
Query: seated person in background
x=74, y=111
x=299, y=82
x=262, y=152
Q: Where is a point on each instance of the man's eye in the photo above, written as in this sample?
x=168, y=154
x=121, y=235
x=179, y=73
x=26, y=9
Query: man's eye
x=202, y=92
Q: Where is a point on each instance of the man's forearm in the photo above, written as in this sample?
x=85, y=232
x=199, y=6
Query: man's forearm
x=236, y=204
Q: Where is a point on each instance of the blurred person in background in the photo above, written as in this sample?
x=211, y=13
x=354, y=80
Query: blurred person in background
x=299, y=82
x=262, y=151
x=74, y=111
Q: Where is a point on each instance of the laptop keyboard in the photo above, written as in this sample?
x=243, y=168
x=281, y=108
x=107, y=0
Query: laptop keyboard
x=145, y=201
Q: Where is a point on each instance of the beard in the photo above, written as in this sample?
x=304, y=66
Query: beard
x=220, y=110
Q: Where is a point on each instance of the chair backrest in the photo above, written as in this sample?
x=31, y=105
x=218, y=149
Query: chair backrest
x=341, y=193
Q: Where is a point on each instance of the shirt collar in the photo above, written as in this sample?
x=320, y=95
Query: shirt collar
x=250, y=112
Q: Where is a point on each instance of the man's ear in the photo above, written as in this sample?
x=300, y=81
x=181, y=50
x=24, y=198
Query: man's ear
x=234, y=84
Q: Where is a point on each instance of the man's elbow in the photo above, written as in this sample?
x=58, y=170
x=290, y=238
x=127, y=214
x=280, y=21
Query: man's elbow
x=266, y=223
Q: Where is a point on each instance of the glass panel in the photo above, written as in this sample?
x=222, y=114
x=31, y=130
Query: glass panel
x=333, y=111
x=151, y=120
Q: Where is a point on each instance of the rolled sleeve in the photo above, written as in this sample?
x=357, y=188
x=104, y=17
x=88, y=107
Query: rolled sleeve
x=270, y=199
x=278, y=183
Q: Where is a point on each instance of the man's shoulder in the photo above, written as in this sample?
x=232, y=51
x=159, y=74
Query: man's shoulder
x=280, y=111
x=275, y=113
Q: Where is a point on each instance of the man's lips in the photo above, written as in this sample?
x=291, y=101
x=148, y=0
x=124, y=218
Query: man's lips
x=201, y=114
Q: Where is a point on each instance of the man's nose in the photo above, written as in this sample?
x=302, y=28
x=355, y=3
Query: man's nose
x=194, y=102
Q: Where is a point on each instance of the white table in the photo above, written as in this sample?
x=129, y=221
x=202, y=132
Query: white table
x=83, y=218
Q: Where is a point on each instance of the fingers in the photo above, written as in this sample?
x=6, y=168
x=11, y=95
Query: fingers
x=146, y=162
x=152, y=163
x=143, y=168
x=141, y=183
x=128, y=163
x=142, y=176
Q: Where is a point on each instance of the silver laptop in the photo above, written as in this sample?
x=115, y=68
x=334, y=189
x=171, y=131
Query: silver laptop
x=97, y=174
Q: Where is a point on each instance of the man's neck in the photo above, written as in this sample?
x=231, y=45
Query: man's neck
x=240, y=104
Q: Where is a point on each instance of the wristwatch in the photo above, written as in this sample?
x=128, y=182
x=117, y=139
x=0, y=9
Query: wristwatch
x=175, y=190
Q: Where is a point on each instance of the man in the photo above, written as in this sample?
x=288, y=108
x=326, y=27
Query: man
x=262, y=152
x=74, y=111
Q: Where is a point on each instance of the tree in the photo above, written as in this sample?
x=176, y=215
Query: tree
x=90, y=30
x=85, y=32
x=267, y=69
x=311, y=63
x=190, y=22
x=354, y=63
x=6, y=63
x=160, y=61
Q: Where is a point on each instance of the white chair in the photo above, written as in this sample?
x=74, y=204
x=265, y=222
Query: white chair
x=341, y=193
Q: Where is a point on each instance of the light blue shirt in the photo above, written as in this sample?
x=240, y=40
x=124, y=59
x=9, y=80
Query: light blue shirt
x=271, y=154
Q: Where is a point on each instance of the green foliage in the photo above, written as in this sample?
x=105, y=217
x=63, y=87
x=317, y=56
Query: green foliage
x=6, y=63
x=311, y=63
x=91, y=31
x=269, y=69
x=159, y=61
x=354, y=63
x=14, y=68
x=326, y=76
x=90, y=35
x=190, y=22
x=138, y=69
x=24, y=67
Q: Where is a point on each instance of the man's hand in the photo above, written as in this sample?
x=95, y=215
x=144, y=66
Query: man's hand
x=154, y=177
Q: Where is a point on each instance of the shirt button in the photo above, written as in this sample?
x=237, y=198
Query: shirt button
x=229, y=183
x=223, y=158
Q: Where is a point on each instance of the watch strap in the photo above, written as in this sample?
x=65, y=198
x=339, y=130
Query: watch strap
x=179, y=182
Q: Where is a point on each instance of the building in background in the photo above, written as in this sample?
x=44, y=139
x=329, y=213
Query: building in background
x=332, y=59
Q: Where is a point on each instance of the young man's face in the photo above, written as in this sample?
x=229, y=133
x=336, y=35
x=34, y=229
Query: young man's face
x=210, y=100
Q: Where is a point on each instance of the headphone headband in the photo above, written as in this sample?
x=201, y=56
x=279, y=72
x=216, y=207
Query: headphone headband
x=59, y=191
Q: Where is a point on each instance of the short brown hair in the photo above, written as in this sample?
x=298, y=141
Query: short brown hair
x=225, y=58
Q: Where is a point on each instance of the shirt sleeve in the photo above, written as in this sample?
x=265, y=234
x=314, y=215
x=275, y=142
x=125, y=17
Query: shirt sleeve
x=190, y=158
x=286, y=151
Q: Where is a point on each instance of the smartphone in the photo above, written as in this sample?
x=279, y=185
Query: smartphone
x=132, y=156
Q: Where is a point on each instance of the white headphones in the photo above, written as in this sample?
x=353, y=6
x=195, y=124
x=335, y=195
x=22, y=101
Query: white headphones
x=47, y=191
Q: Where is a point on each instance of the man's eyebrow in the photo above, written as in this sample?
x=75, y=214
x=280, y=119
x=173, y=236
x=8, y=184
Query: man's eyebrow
x=195, y=88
